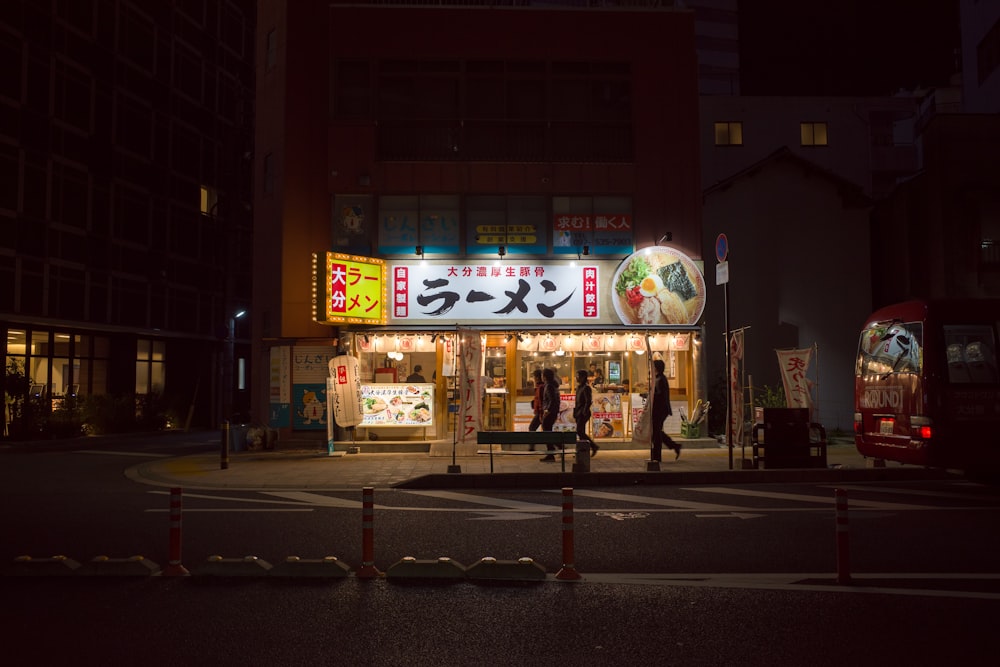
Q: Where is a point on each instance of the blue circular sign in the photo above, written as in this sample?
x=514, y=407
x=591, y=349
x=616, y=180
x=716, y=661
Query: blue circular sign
x=721, y=248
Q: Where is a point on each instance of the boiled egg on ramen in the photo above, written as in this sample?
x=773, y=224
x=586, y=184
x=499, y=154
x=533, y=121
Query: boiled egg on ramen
x=650, y=285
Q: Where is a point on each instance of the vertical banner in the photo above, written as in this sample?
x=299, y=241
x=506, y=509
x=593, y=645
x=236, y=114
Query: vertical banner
x=642, y=430
x=794, y=366
x=470, y=385
x=736, y=386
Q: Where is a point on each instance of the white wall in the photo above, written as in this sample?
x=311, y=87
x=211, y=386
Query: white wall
x=799, y=274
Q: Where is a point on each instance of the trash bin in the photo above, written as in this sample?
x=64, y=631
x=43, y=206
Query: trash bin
x=582, y=463
x=238, y=437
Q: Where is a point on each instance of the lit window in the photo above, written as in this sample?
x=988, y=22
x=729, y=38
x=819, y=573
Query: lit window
x=813, y=134
x=729, y=134
x=209, y=198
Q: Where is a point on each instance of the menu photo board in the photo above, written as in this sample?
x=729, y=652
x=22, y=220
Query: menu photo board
x=606, y=416
x=397, y=404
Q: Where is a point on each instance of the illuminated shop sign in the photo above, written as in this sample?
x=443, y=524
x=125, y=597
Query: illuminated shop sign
x=603, y=234
x=348, y=288
x=659, y=285
x=468, y=292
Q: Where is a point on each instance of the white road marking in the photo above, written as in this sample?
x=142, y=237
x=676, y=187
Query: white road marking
x=237, y=509
x=486, y=500
x=509, y=516
x=111, y=453
x=911, y=492
x=790, y=582
x=316, y=499
x=801, y=497
x=663, y=502
x=227, y=498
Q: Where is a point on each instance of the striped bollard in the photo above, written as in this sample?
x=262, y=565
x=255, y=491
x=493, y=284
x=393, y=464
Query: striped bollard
x=843, y=539
x=174, y=567
x=368, y=569
x=568, y=571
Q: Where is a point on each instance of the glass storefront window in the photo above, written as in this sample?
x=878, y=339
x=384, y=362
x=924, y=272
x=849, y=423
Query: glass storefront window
x=149, y=366
x=39, y=362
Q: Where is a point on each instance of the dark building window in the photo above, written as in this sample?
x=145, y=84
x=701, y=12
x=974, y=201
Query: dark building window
x=133, y=126
x=269, y=174
x=70, y=196
x=188, y=74
x=131, y=215
x=136, y=38
x=10, y=177
x=522, y=111
x=271, y=58
x=72, y=96
x=11, y=67
x=988, y=53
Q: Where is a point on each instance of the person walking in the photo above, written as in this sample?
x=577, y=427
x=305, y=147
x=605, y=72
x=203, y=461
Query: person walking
x=581, y=411
x=550, y=404
x=661, y=410
x=536, y=403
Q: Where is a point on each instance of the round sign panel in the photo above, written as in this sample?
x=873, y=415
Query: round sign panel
x=658, y=286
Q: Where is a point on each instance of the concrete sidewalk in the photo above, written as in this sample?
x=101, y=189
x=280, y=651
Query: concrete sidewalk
x=613, y=467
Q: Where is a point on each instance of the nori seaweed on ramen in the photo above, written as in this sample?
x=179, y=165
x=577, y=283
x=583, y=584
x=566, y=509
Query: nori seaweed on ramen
x=675, y=279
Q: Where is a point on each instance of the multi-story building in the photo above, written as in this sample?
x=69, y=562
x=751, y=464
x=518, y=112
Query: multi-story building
x=125, y=205
x=502, y=165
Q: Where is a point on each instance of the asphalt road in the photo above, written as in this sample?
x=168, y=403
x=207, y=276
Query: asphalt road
x=699, y=575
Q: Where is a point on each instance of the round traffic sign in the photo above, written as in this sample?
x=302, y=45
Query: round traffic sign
x=721, y=248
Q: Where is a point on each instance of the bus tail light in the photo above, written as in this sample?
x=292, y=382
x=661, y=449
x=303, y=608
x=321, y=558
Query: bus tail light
x=921, y=427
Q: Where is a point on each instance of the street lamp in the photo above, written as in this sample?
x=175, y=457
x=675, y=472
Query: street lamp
x=228, y=362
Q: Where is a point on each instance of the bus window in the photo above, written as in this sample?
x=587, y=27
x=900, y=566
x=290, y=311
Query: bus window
x=891, y=348
x=970, y=354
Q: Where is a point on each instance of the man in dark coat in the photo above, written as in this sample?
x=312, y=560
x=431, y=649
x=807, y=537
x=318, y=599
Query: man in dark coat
x=661, y=410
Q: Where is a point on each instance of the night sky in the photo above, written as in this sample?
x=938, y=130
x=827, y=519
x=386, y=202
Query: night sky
x=850, y=47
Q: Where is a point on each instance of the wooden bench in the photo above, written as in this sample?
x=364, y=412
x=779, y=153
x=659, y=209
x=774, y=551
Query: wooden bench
x=551, y=440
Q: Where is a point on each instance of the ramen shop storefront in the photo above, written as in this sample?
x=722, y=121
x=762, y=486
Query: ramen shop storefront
x=455, y=350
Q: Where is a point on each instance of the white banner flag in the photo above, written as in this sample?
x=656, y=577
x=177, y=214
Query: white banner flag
x=794, y=365
x=470, y=385
x=736, y=383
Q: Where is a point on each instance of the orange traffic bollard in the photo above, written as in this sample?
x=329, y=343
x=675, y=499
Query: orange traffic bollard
x=368, y=569
x=568, y=571
x=174, y=567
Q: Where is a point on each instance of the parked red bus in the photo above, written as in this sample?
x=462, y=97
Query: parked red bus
x=926, y=387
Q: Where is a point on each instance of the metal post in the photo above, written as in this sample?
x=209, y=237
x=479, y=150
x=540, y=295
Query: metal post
x=224, y=450
x=729, y=381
